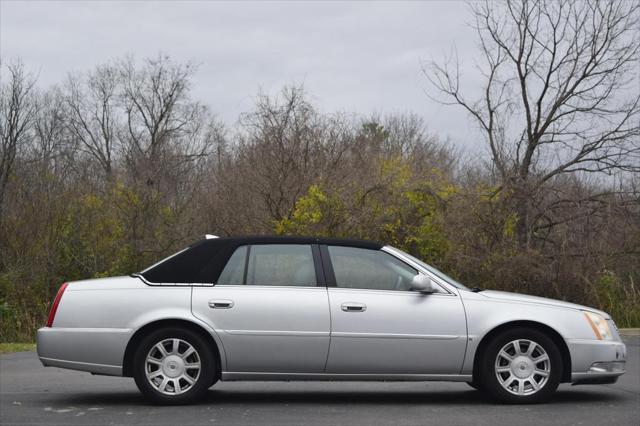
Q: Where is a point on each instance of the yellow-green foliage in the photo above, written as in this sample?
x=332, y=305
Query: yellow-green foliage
x=622, y=303
x=89, y=235
x=92, y=234
x=309, y=212
x=398, y=208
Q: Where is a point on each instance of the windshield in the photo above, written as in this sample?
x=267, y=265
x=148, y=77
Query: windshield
x=434, y=271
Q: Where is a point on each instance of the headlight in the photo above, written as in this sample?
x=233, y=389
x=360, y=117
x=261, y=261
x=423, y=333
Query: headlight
x=599, y=326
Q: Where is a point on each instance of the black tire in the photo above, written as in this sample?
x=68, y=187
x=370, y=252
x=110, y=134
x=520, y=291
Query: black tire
x=487, y=375
x=204, y=379
x=474, y=385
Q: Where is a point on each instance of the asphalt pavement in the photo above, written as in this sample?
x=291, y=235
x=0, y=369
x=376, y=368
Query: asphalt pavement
x=34, y=395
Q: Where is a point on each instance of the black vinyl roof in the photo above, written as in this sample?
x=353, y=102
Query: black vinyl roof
x=203, y=261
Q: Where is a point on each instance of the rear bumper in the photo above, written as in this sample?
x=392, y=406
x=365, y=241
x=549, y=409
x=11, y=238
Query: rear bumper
x=96, y=350
x=596, y=361
x=107, y=370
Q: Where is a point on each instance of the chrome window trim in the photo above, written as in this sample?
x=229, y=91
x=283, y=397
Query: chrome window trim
x=152, y=284
x=406, y=293
x=448, y=289
x=249, y=286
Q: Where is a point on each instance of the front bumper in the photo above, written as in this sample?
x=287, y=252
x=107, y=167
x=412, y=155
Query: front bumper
x=596, y=361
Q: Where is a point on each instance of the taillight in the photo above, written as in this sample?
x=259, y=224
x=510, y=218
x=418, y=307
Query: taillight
x=56, y=302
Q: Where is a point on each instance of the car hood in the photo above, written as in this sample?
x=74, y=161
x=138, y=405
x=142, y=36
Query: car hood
x=524, y=298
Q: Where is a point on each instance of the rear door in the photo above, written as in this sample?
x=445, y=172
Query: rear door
x=270, y=309
x=380, y=326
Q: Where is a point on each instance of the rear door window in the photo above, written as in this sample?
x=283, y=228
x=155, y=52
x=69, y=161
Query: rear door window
x=281, y=265
x=270, y=264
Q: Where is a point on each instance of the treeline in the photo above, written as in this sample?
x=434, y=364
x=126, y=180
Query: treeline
x=117, y=167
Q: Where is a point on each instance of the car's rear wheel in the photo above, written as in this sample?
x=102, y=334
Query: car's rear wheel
x=173, y=366
x=521, y=366
x=474, y=385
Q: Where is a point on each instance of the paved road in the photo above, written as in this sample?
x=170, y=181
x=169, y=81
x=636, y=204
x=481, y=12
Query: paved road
x=31, y=394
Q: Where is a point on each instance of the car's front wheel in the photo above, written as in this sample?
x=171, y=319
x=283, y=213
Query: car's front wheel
x=173, y=366
x=521, y=366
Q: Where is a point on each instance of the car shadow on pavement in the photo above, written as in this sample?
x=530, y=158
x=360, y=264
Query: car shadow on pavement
x=390, y=398
x=234, y=397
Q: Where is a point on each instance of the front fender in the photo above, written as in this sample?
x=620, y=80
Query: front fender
x=485, y=314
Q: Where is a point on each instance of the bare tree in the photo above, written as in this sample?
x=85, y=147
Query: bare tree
x=560, y=91
x=166, y=137
x=92, y=102
x=158, y=108
x=280, y=146
x=17, y=110
x=49, y=125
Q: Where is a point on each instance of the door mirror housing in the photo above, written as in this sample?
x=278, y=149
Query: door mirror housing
x=423, y=284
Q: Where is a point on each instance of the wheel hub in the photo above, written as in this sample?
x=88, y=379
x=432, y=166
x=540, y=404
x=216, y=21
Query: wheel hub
x=173, y=366
x=522, y=367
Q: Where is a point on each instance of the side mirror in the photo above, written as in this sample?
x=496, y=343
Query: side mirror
x=423, y=284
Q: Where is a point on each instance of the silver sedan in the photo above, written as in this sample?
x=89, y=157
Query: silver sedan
x=294, y=308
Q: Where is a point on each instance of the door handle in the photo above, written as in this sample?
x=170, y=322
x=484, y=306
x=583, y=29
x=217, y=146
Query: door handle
x=220, y=304
x=353, y=307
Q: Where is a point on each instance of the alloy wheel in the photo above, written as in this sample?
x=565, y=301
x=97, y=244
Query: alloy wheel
x=172, y=366
x=522, y=367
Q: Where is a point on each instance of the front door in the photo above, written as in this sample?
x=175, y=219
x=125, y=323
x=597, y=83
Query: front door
x=269, y=310
x=380, y=326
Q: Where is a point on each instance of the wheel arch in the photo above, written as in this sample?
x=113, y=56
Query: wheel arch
x=127, y=364
x=549, y=331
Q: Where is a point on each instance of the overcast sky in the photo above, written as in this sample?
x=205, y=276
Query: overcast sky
x=351, y=56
